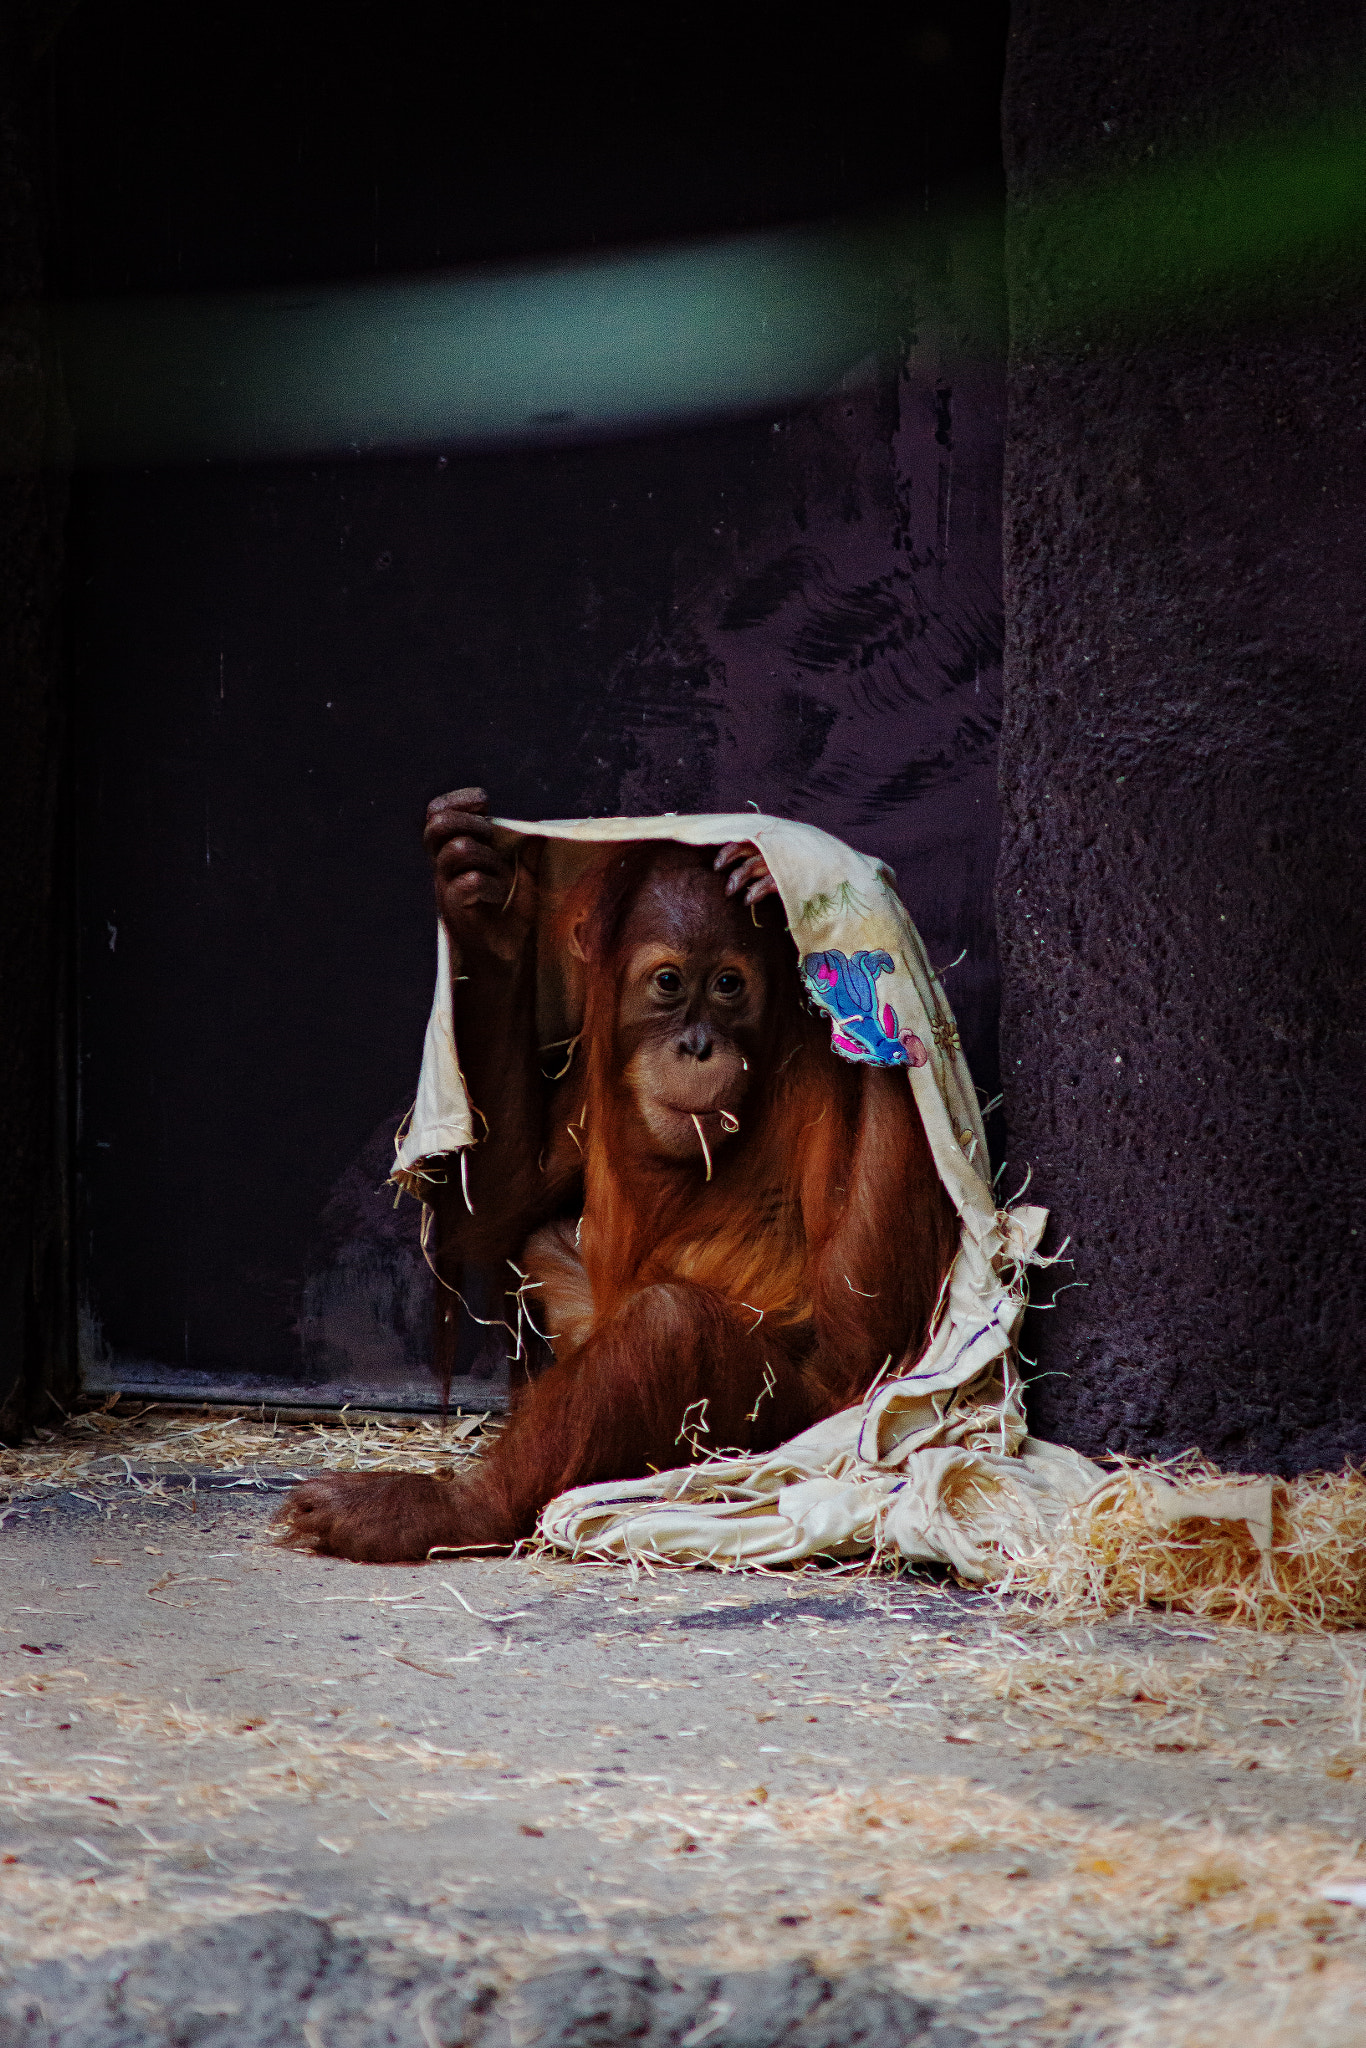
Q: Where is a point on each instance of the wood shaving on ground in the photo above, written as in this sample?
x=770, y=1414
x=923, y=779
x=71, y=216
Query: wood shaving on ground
x=158, y=1763
x=1121, y=1550
x=98, y=1447
x=1043, y=1911
x=1228, y=1699
x=965, y=1886
x=1054, y=1920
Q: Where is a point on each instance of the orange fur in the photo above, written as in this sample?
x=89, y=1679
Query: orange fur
x=760, y=1297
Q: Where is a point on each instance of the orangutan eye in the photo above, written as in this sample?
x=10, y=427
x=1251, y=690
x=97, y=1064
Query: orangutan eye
x=669, y=981
x=728, y=982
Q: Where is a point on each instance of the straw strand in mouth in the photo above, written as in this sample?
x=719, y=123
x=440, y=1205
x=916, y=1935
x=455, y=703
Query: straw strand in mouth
x=702, y=1140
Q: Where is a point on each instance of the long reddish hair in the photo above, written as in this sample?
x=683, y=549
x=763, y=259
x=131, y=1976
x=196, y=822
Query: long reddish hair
x=796, y=1126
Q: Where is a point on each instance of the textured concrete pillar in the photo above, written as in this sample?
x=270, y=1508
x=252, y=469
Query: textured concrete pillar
x=1182, y=887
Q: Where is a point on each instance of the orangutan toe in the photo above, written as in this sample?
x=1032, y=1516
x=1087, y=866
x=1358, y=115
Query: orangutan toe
x=357, y=1515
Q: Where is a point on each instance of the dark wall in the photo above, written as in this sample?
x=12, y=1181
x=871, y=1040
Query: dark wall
x=36, y=1351
x=254, y=144
x=1183, y=796
x=275, y=668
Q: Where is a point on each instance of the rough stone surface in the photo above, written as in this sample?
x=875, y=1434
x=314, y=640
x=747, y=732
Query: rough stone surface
x=270, y=1980
x=1182, y=768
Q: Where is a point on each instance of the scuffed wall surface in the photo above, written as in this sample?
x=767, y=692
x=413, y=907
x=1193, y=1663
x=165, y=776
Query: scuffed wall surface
x=1182, y=772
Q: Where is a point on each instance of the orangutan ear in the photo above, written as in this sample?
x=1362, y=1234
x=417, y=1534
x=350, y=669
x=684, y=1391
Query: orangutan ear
x=578, y=932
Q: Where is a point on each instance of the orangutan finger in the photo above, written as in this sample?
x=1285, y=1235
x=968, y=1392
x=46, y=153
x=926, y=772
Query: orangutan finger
x=458, y=855
x=443, y=824
x=460, y=800
x=754, y=870
x=470, y=886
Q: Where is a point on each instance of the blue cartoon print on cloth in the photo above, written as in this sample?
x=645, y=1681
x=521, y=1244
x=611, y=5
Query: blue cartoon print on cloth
x=847, y=990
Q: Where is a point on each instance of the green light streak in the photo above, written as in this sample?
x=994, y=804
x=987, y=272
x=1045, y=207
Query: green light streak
x=1258, y=220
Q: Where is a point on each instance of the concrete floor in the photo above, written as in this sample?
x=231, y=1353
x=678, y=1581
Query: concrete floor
x=252, y=1796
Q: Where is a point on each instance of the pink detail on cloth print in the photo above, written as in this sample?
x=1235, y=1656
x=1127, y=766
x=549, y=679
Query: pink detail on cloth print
x=844, y=1044
x=827, y=974
x=916, y=1051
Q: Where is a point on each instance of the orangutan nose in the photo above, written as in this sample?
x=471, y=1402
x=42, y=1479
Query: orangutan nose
x=697, y=1042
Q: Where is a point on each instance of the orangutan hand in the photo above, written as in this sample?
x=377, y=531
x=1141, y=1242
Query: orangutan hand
x=753, y=877
x=484, y=894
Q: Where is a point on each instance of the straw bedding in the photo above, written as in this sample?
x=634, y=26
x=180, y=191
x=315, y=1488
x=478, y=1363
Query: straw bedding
x=1118, y=1550
x=148, y=1446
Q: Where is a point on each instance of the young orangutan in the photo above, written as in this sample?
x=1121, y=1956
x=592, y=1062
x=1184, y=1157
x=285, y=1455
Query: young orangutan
x=727, y=1230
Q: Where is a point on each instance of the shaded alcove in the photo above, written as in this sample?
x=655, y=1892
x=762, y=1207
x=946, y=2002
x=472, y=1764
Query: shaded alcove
x=275, y=665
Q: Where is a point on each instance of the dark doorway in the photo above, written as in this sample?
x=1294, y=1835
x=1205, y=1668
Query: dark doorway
x=276, y=665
